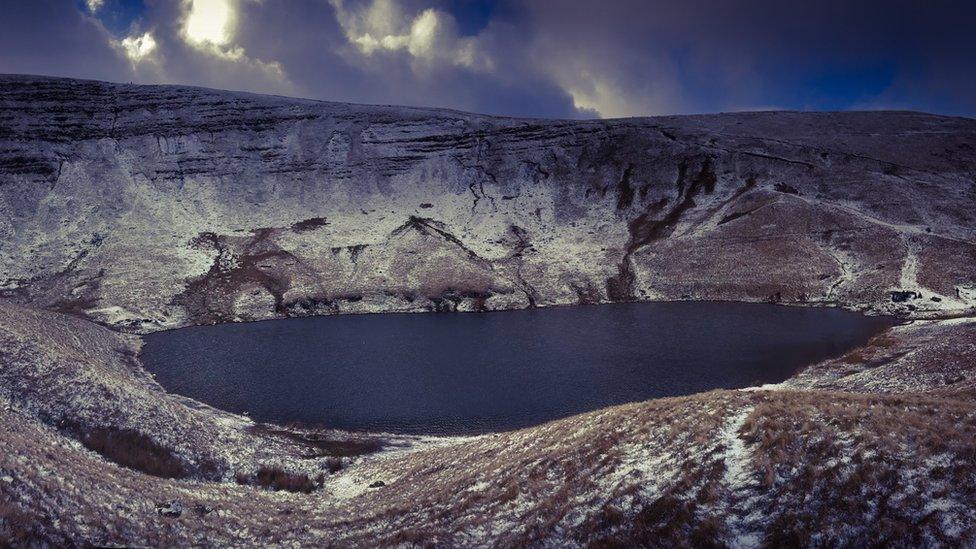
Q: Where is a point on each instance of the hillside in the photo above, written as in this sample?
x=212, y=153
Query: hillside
x=874, y=447
x=150, y=207
x=129, y=209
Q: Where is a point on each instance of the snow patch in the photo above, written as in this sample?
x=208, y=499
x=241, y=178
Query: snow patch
x=740, y=482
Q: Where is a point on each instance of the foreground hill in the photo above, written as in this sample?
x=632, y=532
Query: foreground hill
x=876, y=447
x=149, y=207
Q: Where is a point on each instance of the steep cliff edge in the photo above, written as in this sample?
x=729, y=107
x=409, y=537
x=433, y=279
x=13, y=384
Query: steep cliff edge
x=150, y=207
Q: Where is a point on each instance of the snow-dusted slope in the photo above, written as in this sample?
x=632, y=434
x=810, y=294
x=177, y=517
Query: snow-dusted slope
x=87, y=435
x=148, y=207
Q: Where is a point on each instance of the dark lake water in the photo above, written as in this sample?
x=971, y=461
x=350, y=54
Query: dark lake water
x=453, y=373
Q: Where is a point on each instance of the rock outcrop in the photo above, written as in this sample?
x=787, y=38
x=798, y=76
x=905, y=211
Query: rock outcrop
x=150, y=207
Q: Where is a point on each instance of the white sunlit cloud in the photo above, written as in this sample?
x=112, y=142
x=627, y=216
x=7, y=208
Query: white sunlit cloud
x=599, y=96
x=601, y=81
x=94, y=5
x=430, y=36
x=137, y=48
x=605, y=96
x=209, y=27
x=209, y=22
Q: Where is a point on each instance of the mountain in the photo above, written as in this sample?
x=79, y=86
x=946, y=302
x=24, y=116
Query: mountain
x=152, y=207
x=128, y=209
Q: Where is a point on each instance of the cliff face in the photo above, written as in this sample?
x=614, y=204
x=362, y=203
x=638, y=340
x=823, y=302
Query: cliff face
x=148, y=207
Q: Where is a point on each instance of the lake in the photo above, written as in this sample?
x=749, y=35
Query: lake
x=463, y=373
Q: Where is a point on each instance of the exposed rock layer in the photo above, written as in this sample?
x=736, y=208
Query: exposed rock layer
x=147, y=207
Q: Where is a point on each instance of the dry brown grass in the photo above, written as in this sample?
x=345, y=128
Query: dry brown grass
x=275, y=478
x=535, y=479
x=818, y=481
x=131, y=449
x=565, y=482
x=17, y=526
x=321, y=444
x=871, y=350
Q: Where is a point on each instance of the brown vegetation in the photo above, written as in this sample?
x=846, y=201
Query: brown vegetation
x=275, y=478
x=17, y=526
x=131, y=449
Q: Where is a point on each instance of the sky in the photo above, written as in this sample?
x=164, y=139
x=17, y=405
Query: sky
x=532, y=58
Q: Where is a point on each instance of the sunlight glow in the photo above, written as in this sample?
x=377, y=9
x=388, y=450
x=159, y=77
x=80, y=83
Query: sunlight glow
x=209, y=21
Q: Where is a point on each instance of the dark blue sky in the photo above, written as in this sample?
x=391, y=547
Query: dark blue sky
x=551, y=58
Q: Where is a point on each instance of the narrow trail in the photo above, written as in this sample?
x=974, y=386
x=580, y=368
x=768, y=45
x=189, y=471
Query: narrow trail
x=739, y=480
x=909, y=271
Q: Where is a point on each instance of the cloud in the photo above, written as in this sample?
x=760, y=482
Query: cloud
x=574, y=58
x=209, y=22
x=611, y=79
x=431, y=35
x=198, y=41
x=631, y=57
x=138, y=48
x=208, y=25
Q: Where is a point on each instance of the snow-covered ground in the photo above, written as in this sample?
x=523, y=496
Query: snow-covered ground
x=152, y=207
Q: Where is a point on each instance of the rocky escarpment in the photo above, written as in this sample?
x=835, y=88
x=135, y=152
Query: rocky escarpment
x=147, y=207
